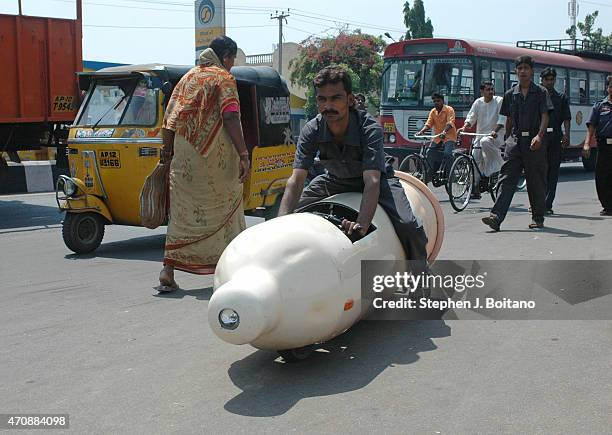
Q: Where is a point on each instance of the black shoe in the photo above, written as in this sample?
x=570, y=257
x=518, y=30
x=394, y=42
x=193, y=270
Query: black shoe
x=536, y=224
x=475, y=195
x=606, y=212
x=492, y=221
x=550, y=211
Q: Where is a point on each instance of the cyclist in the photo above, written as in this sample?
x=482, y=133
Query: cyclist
x=487, y=150
x=442, y=120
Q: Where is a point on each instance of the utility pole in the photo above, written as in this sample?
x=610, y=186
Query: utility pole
x=572, y=10
x=280, y=16
x=19, y=7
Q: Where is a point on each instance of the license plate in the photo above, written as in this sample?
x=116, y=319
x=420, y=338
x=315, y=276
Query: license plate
x=389, y=127
x=110, y=159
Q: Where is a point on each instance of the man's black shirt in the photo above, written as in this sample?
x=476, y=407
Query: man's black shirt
x=561, y=112
x=526, y=112
x=361, y=148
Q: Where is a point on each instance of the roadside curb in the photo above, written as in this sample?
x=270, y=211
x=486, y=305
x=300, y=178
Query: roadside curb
x=29, y=177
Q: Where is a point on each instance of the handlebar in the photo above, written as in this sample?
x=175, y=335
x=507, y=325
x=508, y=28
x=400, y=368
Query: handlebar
x=427, y=136
x=462, y=133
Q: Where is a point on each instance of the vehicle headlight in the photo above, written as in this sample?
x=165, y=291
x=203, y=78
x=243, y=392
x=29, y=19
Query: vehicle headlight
x=229, y=319
x=69, y=187
x=392, y=138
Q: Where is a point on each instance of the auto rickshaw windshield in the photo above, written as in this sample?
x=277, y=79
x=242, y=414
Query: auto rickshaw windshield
x=120, y=102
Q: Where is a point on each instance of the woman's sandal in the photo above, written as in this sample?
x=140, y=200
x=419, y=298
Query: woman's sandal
x=167, y=288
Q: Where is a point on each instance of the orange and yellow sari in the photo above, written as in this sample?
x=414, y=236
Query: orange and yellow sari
x=205, y=194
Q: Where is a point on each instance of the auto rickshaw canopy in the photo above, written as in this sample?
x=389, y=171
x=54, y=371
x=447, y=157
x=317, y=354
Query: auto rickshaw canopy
x=263, y=93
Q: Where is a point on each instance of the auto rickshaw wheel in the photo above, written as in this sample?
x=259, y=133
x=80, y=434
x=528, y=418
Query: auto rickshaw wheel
x=297, y=354
x=82, y=232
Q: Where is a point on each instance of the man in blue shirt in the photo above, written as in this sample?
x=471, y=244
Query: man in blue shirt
x=600, y=126
x=350, y=146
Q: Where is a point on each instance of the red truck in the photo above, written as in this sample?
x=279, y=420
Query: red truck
x=39, y=95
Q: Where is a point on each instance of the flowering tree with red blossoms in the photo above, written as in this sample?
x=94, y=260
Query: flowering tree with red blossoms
x=358, y=52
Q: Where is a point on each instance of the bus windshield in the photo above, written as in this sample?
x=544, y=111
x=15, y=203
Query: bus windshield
x=403, y=84
x=120, y=102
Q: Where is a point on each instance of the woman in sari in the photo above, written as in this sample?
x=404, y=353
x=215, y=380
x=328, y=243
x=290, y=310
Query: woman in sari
x=203, y=138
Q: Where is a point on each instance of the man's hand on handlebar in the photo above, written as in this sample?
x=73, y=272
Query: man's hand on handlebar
x=351, y=228
x=493, y=134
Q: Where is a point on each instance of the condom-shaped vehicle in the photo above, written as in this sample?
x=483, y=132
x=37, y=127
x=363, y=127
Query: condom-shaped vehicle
x=294, y=281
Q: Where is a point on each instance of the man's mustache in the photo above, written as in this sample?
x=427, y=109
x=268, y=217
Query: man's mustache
x=330, y=112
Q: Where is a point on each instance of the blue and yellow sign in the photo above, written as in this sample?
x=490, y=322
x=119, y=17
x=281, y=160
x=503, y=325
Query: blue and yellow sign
x=209, y=22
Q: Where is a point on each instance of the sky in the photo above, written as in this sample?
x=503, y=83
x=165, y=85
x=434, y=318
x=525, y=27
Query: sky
x=142, y=31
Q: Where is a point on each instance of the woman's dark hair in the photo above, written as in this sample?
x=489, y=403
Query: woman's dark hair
x=224, y=46
x=333, y=74
x=527, y=60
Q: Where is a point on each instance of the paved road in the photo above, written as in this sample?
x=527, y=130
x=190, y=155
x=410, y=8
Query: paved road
x=88, y=336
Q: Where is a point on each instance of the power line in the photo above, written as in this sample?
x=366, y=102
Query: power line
x=123, y=6
x=168, y=27
x=350, y=23
x=316, y=16
x=310, y=22
x=310, y=33
x=126, y=6
x=597, y=4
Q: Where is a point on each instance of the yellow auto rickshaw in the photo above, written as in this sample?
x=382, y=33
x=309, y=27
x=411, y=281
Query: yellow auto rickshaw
x=115, y=143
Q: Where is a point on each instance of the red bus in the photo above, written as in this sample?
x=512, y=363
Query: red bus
x=414, y=69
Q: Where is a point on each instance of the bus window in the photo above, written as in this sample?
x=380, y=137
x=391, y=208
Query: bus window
x=513, y=76
x=494, y=72
x=597, y=87
x=560, y=84
x=499, y=77
x=403, y=84
x=577, y=82
x=537, y=70
x=451, y=77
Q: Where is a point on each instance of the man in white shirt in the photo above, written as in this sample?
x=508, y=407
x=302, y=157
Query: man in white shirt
x=487, y=149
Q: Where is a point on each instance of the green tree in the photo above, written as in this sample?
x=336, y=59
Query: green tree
x=588, y=31
x=416, y=24
x=357, y=52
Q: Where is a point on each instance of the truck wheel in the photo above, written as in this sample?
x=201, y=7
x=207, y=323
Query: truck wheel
x=589, y=164
x=82, y=232
x=297, y=354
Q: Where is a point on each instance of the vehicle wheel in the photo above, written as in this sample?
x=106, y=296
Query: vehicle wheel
x=413, y=165
x=82, y=232
x=460, y=182
x=589, y=164
x=297, y=354
x=493, y=187
x=445, y=180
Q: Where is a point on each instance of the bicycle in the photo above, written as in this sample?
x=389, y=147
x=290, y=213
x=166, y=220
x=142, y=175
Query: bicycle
x=418, y=166
x=461, y=177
